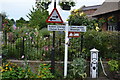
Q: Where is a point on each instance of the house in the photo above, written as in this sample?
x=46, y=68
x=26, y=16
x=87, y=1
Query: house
x=89, y=10
x=110, y=13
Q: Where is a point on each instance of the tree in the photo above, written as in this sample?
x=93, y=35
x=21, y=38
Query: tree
x=13, y=21
x=37, y=18
x=21, y=22
x=4, y=15
x=6, y=23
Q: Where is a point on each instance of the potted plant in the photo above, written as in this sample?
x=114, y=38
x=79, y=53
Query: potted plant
x=66, y=4
x=111, y=19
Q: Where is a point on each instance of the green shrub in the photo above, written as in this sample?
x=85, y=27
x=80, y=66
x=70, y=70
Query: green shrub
x=10, y=51
x=106, y=42
x=114, y=66
x=44, y=32
x=78, y=67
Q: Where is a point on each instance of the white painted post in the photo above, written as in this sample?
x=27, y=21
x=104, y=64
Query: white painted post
x=94, y=63
x=66, y=50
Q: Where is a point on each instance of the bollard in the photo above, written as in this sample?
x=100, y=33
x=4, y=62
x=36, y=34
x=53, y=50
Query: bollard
x=94, y=63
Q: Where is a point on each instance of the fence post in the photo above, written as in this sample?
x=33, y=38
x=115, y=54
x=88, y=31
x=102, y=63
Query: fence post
x=22, y=49
x=5, y=37
x=81, y=43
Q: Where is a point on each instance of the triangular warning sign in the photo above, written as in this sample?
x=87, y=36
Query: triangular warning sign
x=54, y=17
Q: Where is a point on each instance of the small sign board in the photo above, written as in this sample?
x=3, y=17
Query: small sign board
x=73, y=34
x=70, y=28
x=56, y=27
x=77, y=28
x=54, y=17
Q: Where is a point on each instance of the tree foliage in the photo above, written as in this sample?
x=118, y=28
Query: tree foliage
x=37, y=18
x=21, y=22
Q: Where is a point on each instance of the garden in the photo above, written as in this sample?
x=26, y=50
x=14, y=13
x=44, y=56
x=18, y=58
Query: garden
x=30, y=44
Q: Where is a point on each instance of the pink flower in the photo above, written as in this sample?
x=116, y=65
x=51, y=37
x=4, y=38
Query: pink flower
x=30, y=37
x=3, y=24
x=46, y=48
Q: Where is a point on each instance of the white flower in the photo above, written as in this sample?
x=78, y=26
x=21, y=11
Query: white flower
x=25, y=39
x=22, y=56
x=26, y=33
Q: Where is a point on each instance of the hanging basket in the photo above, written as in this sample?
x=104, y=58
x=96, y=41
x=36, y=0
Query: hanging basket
x=66, y=7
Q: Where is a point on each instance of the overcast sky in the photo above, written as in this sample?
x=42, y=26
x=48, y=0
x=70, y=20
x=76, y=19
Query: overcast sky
x=20, y=8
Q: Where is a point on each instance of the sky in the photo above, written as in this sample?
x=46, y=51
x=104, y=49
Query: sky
x=20, y=8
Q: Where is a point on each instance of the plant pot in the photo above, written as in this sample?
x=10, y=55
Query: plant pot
x=66, y=7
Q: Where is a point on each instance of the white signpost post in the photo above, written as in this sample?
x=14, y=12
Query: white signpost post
x=66, y=50
x=66, y=29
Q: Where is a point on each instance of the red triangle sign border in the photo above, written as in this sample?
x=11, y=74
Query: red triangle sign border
x=61, y=21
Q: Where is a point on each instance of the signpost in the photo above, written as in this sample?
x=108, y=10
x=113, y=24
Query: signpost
x=77, y=28
x=70, y=28
x=56, y=18
x=56, y=27
x=73, y=34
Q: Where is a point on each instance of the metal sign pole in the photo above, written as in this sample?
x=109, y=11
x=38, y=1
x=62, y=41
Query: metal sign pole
x=53, y=55
x=53, y=49
x=66, y=50
x=54, y=17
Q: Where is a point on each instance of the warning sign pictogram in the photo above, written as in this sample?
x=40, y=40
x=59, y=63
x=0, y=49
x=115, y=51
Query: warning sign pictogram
x=73, y=34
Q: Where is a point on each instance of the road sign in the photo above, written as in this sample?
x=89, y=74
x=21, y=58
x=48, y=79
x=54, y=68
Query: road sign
x=56, y=27
x=77, y=28
x=54, y=17
x=70, y=28
x=73, y=34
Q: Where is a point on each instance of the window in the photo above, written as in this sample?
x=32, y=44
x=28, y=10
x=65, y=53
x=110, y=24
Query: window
x=112, y=27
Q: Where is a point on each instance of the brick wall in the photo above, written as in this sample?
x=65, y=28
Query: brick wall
x=59, y=66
